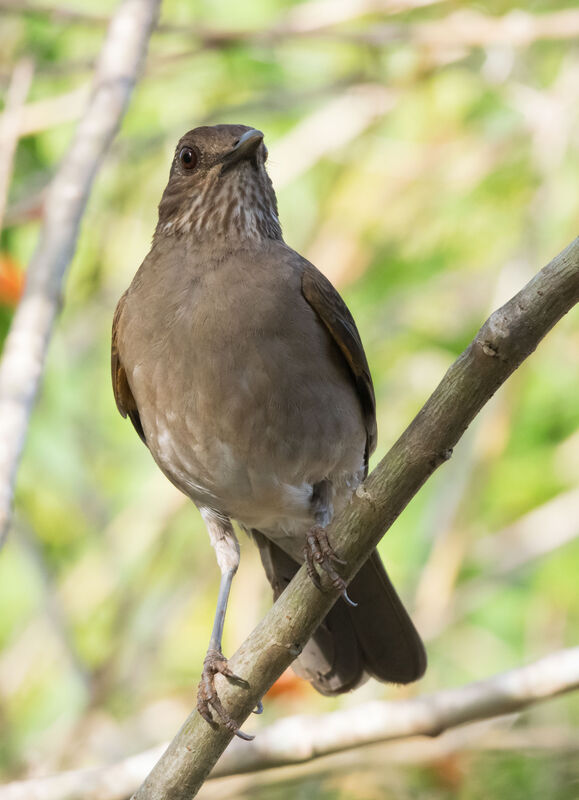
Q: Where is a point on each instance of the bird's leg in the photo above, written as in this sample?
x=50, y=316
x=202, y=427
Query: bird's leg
x=318, y=549
x=226, y=547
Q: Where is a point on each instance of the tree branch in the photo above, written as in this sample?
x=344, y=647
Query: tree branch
x=305, y=737
x=509, y=335
x=25, y=349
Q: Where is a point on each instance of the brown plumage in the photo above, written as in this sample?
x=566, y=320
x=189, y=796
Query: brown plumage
x=243, y=372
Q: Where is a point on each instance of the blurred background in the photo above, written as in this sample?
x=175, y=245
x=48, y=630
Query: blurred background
x=426, y=159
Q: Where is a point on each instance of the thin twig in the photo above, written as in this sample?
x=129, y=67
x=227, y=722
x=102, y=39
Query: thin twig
x=509, y=335
x=10, y=125
x=44, y=114
x=307, y=17
x=442, y=41
x=25, y=349
x=56, y=13
x=457, y=31
x=372, y=764
x=306, y=737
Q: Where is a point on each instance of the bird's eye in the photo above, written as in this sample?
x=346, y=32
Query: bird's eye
x=188, y=158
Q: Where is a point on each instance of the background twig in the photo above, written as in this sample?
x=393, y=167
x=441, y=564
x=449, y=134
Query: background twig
x=10, y=122
x=25, y=349
x=306, y=737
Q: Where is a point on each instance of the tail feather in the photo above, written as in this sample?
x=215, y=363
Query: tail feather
x=392, y=648
x=377, y=638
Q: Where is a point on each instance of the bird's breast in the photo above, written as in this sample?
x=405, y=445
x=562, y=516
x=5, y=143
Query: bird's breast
x=244, y=399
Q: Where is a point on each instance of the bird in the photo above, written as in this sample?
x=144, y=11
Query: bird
x=243, y=372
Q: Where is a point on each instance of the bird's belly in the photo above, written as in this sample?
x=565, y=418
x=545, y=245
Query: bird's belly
x=260, y=488
x=250, y=422
x=256, y=498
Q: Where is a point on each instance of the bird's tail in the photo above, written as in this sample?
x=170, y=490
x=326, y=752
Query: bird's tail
x=377, y=638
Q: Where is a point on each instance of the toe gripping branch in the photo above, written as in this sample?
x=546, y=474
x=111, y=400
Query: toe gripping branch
x=208, y=701
x=318, y=550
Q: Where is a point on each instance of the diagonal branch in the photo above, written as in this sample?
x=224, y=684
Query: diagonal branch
x=25, y=349
x=509, y=335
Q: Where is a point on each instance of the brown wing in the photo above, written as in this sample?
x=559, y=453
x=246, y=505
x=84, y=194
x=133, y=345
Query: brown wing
x=334, y=313
x=123, y=395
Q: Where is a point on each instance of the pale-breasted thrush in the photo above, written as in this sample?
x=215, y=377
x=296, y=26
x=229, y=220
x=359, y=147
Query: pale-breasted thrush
x=243, y=372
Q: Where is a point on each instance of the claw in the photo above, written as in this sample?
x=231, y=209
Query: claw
x=259, y=708
x=247, y=737
x=208, y=700
x=318, y=550
x=348, y=599
x=312, y=572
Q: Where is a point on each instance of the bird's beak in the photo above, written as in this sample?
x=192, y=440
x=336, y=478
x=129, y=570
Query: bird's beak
x=245, y=148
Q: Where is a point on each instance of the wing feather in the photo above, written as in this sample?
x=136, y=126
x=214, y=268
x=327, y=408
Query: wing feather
x=336, y=317
x=122, y=391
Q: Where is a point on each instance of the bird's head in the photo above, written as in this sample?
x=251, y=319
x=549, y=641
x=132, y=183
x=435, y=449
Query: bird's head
x=219, y=187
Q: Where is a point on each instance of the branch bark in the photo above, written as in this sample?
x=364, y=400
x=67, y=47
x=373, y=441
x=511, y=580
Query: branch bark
x=25, y=349
x=509, y=335
x=305, y=737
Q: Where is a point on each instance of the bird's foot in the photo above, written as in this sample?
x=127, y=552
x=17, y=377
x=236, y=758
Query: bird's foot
x=207, y=698
x=318, y=550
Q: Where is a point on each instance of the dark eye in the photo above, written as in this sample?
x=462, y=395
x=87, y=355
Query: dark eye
x=188, y=158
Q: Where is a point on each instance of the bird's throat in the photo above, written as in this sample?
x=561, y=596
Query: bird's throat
x=236, y=205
